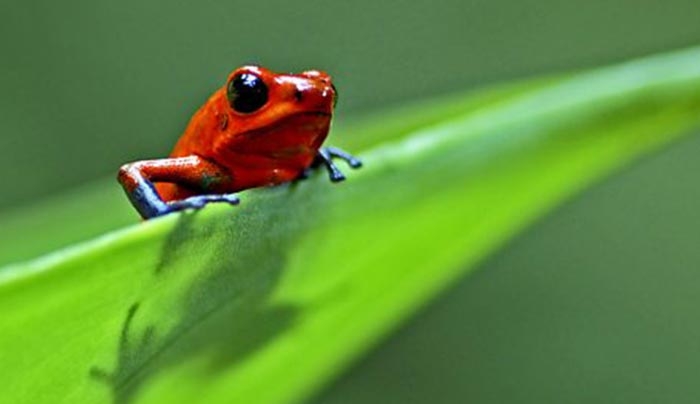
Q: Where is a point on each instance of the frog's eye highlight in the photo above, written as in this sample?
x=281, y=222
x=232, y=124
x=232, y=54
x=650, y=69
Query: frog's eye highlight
x=246, y=93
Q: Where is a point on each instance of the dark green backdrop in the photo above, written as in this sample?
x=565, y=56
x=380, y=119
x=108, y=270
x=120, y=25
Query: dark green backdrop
x=599, y=303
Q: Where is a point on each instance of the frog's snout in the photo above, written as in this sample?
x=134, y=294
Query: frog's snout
x=317, y=92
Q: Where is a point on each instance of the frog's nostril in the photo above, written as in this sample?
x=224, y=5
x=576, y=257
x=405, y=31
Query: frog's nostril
x=298, y=95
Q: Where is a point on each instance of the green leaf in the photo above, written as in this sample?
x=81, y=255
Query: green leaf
x=269, y=301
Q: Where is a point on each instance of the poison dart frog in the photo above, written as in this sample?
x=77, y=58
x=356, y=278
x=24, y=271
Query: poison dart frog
x=261, y=128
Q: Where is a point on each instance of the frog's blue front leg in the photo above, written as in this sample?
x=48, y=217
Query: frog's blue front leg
x=149, y=204
x=325, y=156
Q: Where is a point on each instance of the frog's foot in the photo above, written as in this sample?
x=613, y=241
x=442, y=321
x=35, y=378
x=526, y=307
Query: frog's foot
x=325, y=156
x=198, y=202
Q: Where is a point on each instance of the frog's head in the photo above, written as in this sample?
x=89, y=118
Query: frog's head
x=271, y=113
x=258, y=97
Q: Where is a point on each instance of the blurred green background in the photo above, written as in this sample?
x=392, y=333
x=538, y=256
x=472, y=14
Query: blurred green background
x=597, y=303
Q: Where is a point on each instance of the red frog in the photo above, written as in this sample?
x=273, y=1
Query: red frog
x=261, y=128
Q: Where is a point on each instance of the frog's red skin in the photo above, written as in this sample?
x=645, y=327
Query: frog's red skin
x=224, y=151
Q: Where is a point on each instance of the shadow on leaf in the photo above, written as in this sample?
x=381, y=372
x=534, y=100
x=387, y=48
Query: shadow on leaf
x=234, y=262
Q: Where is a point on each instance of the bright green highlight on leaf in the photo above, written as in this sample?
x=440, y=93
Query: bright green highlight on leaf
x=266, y=302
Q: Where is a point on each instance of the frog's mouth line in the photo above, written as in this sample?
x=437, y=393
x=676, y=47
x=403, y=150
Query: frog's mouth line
x=308, y=122
x=321, y=114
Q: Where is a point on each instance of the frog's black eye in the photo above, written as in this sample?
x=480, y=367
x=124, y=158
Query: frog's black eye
x=246, y=93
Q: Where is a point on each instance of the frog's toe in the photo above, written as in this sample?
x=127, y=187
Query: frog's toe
x=231, y=199
x=354, y=162
x=336, y=176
